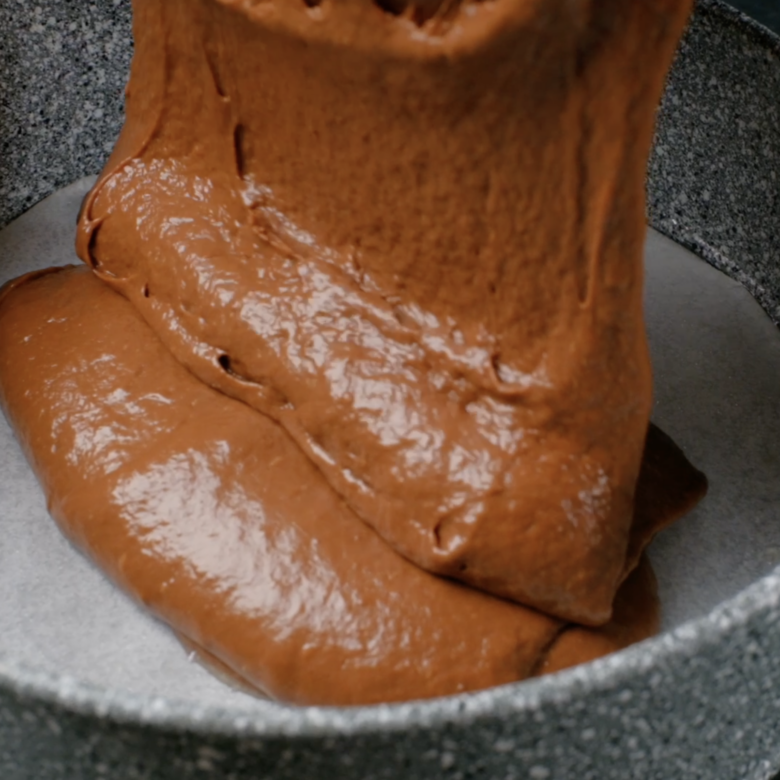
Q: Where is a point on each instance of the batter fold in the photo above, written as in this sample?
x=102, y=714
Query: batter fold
x=208, y=514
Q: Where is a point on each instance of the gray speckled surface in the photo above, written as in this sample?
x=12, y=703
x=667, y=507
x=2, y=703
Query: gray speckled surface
x=715, y=174
x=700, y=702
x=63, y=67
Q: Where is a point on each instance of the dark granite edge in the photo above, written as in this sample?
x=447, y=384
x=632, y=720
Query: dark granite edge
x=695, y=238
x=763, y=35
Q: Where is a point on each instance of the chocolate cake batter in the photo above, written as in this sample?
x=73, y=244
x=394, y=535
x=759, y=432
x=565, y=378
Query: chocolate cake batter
x=210, y=516
x=411, y=233
x=398, y=246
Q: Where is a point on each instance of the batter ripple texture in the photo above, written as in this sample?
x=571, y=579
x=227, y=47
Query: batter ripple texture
x=213, y=519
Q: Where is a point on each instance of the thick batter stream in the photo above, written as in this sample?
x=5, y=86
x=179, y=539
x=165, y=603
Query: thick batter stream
x=418, y=248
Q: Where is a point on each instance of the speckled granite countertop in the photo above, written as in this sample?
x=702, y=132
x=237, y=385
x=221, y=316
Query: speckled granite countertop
x=50, y=134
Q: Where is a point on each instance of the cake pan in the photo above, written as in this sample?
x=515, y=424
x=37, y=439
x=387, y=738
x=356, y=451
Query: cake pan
x=700, y=701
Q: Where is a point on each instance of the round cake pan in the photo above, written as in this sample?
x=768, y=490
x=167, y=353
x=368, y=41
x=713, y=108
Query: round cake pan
x=700, y=701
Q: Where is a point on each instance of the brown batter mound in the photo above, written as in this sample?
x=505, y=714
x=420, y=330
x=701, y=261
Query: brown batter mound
x=210, y=515
x=404, y=240
x=411, y=233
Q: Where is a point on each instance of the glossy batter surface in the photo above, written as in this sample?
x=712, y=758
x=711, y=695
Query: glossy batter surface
x=209, y=514
x=411, y=235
